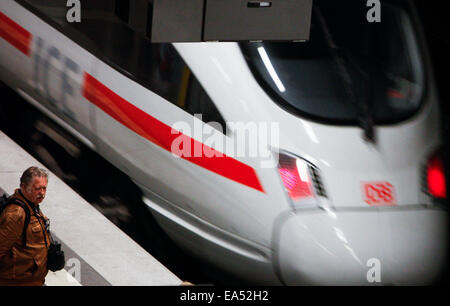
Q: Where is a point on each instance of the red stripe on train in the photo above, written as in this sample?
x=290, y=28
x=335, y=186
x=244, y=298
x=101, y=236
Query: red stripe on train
x=161, y=134
x=15, y=34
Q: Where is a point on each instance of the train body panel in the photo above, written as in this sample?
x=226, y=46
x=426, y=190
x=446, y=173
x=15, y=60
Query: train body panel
x=208, y=195
x=52, y=71
x=355, y=247
x=304, y=194
x=331, y=148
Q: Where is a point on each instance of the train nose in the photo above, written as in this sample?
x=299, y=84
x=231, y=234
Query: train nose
x=401, y=247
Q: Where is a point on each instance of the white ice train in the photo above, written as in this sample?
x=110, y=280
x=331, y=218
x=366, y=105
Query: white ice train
x=357, y=194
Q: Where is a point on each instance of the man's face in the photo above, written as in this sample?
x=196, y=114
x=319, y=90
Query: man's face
x=35, y=191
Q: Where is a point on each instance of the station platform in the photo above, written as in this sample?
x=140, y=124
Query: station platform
x=97, y=252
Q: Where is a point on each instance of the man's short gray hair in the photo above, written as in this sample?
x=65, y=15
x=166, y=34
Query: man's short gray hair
x=31, y=172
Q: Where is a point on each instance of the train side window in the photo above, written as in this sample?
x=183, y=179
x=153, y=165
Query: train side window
x=177, y=83
x=198, y=102
x=57, y=9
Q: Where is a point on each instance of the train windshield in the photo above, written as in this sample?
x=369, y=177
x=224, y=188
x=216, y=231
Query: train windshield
x=349, y=68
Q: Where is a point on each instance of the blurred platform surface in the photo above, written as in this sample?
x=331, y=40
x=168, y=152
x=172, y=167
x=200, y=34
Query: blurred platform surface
x=97, y=252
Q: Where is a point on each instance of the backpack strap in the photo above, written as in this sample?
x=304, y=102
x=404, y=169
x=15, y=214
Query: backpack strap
x=15, y=201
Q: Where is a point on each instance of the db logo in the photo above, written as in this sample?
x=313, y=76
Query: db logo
x=379, y=194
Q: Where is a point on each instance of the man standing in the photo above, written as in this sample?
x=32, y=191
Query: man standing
x=23, y=251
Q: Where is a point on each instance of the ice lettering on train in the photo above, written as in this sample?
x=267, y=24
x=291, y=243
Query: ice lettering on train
x=49, y=60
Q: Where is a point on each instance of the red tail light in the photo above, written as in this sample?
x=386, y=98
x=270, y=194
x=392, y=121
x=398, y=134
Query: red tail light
x=436, y=177
x=294, y=173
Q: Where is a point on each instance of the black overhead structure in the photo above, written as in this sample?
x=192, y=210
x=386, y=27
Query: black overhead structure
x=165, y=21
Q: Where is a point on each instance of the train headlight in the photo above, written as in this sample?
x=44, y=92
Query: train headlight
x=301, y=180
